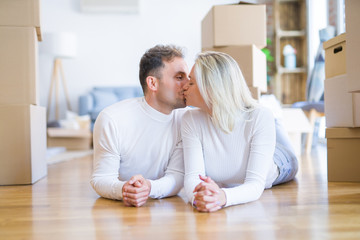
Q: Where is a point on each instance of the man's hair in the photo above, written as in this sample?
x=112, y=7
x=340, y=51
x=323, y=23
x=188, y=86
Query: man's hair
x=223, y=88
x=153, y=59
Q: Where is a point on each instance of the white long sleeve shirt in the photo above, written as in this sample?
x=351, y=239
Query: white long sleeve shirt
x=130, y=137
x=240, y=162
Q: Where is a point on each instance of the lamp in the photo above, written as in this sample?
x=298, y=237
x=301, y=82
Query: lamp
x=60, y=46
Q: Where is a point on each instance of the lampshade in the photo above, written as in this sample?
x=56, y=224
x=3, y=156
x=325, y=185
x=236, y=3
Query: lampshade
x=59, y=45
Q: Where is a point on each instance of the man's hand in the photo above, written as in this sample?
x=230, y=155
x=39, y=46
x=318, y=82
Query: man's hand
x=136, y=191
x=209, y=197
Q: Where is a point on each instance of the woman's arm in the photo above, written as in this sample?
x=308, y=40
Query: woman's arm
x=193, y=155
x=209, y=197
x=262, y=146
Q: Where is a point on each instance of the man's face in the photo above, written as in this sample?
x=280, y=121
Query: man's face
x=173, y=77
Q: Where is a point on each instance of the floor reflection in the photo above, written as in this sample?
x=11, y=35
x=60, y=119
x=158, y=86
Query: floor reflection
x=112, y=218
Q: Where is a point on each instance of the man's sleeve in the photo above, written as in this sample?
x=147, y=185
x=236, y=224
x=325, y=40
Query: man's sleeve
x=173, y=181
x=106, y=162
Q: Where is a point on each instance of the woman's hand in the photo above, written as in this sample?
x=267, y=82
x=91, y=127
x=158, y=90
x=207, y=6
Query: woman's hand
x=208, y=197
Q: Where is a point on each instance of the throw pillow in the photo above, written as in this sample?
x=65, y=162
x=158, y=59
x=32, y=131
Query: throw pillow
x=103, y=99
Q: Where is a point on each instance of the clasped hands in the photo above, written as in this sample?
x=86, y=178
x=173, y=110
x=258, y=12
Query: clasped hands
x=208, y=196
x=136, y=191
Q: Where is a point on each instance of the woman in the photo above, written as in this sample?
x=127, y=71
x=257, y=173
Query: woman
x=230, y=148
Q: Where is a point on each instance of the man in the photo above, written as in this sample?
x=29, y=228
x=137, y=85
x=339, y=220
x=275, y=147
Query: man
x=137, y=143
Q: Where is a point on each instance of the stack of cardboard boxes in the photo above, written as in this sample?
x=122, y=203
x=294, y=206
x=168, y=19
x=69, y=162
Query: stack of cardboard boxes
x=342, y=99
x=22, y=120
x=240, y=31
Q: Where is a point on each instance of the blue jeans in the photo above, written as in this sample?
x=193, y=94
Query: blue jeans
x=284, y=156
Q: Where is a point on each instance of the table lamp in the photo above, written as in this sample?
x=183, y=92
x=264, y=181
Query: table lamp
x=59, y=46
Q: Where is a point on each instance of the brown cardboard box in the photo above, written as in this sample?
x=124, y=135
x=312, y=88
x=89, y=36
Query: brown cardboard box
x=255, y=92
x=343, y=153
x=335, y=56
x=342, y=109
x=72, y=139
x=22, y=144
x=234, y=24
x=252, y=62
x=18, y=66
x=352, y=9
x=21, y=13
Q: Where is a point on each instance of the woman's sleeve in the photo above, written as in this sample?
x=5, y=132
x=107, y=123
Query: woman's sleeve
x=193, y=154
x=106, y=164
x=262, y=147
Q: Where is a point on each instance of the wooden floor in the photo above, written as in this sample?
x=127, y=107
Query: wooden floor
x=63, y=206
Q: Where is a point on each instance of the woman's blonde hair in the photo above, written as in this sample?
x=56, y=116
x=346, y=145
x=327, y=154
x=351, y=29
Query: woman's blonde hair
x=223, y=88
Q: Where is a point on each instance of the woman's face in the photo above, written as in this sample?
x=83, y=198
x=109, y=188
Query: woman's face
x=192, y=94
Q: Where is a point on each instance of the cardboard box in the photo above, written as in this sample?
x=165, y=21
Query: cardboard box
x=335, y=56
x=21, y=13
x=234, y=24
x=352, y=18
x=252, y=62
x=342, y=109
x=295, y=123
x=72, y=139
x=18, y=66
x=22, y=144
x=343, y=153
x=255, y=92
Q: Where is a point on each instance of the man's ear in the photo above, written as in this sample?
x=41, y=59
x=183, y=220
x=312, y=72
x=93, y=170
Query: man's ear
x=152, y=83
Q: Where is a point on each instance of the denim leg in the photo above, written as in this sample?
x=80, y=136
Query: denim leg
x=287, y=164
x=284, y=155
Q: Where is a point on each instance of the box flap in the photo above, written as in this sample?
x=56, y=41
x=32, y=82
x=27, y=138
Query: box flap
x=342, y=133
x=68, y=133
x=38, y=33
x=250, y=2
x=333, y=41
x=247, y=2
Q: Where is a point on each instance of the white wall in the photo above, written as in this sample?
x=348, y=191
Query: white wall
x=317, y=20
x=111, y=45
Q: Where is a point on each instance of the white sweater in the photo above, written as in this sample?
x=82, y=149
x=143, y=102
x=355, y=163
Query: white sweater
x=241, y=162
x=130, y=138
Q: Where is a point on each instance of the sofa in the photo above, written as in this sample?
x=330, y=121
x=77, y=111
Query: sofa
x=98, y=98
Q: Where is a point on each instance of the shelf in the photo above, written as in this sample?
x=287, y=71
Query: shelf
x=290, y=28
x=288, y=1
x=282, y=70
x=292, y=33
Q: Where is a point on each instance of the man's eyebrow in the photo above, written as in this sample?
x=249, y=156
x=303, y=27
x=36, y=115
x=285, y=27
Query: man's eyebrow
x=181, y=72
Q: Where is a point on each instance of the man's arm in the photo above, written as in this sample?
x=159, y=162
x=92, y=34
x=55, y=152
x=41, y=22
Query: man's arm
x=136, y=191
x=106, y=163
x=105, y=181
x=173, y=181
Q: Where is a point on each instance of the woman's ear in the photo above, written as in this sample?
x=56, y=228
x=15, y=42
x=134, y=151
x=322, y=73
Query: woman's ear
x=152, y=83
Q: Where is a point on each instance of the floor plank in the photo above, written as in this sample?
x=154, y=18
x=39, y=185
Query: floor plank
x=63, y=206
